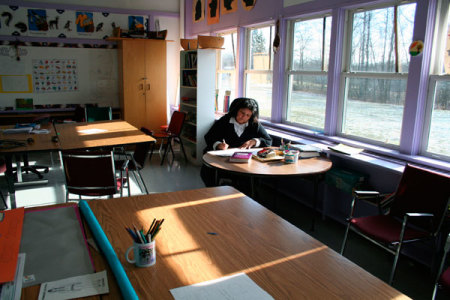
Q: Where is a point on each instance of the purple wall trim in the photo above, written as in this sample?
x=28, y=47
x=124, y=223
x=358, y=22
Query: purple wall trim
x=279, y=64
x=89, y=8
x=242, y=59
x=334, y=71
x=416, y=96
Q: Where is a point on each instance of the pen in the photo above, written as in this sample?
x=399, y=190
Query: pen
x=223, y=141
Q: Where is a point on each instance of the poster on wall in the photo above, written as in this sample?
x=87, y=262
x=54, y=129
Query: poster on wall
x=228, y=6
x=61, y=23
x=248, y=4
x=84, y=22
x=55, y=75
x=212, y=12
x=198, y=10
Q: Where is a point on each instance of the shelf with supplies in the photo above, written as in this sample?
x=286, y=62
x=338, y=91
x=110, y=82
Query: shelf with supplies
x=197, y=94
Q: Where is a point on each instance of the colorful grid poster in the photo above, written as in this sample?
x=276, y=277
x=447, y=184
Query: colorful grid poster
x=55, y=75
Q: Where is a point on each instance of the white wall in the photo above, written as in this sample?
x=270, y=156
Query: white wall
x=160, y=5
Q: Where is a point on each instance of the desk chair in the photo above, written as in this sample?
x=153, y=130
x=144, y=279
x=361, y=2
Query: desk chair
x=173, y=133
x=442, y=283
x=135, y=162
x=90, y=173
x=413, y=213
x=98, y=114
x=36, y=169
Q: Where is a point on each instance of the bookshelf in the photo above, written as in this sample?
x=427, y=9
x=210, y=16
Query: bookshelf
x=197, y=98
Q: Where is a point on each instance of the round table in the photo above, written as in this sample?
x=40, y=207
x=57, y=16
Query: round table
x=310, y=167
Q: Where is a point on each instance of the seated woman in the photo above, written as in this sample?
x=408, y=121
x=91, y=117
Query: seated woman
x=239, y=128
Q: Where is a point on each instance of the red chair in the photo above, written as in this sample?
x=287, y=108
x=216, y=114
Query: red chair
x=173, y=133
x=442, y=283
x=415, y=212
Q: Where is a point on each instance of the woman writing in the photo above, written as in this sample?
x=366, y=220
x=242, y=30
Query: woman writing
x=239, y=128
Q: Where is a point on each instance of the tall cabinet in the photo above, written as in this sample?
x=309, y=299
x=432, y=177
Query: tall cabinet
x=143, y=81
x=197, y=92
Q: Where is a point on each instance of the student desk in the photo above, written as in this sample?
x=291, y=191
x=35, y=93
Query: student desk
x=213, y=232
x=99, y=134
x=41, y=142
x=310, y=167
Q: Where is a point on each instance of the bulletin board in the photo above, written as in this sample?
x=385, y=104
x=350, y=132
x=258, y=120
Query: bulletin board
x=16, y=84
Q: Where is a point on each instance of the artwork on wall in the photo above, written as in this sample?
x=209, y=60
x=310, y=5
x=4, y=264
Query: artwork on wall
x=248, y=4
x=55, y=75
x=212, y=12
x=61, y=23
x=228, y=6
x=84, y=22
x=198, y=10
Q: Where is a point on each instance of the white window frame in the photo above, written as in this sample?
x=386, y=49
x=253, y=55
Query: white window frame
x=443, y=9
x=290, y=72
x=236, y=63
x=347, y=74
x=248, y=71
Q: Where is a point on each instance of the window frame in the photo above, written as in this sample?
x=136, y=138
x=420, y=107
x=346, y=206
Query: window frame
x=346, y=73
x=436, y=75
x=248, y=71
x=290, y=72
x=234, y=72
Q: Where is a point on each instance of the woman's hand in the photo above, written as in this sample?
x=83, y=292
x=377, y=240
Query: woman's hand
x=248, y=144
x=222, y=146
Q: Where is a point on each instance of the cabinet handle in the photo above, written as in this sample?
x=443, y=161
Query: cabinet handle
x=148, y=86
x=144, y=78
x=141, y=87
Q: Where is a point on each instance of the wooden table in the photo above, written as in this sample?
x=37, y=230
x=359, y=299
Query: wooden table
x=282, y=259
x=99, y=134
x=311, y=167
x=40, y=142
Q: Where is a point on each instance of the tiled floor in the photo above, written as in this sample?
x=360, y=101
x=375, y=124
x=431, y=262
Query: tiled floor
x=412, y=278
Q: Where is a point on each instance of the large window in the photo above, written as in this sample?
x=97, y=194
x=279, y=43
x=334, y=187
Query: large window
x=226, y=69
x=375, y=75
x=307, y=72
x=436, y=137
x=258, y=71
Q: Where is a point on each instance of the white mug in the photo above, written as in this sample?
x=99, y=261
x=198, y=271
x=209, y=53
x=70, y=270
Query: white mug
x=144, y=254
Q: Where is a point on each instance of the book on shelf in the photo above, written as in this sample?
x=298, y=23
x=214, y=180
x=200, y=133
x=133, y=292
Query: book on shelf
x=306, y=151
x=240, y=157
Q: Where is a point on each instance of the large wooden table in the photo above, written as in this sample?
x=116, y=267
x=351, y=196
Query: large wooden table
x=282, y=259
x=99, y=134
x=312, y=168
x=40, y=142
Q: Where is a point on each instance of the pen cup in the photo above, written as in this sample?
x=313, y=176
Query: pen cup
x=144, y=254
x=291, y=157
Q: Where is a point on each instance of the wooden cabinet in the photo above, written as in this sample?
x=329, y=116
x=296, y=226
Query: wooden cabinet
x=197, y=93
x=143, y=82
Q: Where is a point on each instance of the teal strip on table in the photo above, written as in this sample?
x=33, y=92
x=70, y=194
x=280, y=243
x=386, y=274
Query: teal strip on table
x=124, y=283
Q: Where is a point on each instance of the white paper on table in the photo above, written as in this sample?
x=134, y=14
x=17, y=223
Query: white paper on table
x=234, y=287
x=229, y=152
x=13, y=290
x=75, y=287
x=92, y=131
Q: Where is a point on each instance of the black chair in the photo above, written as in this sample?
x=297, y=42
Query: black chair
x=90, y=173
x=413, y=213
x=135, y=163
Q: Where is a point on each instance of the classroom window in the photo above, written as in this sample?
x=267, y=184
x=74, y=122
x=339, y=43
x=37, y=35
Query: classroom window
x=375, y=73
x=307, y=72
x=258, y=71
x=436, y=141
x=226, y=69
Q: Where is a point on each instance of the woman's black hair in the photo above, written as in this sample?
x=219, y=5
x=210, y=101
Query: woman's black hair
x=249, y=103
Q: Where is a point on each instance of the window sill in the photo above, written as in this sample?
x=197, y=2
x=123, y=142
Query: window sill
x=374, y=155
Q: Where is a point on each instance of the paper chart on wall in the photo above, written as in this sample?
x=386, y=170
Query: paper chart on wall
x=55, y=75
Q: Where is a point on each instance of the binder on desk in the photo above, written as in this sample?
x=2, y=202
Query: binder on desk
x=11, y=222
